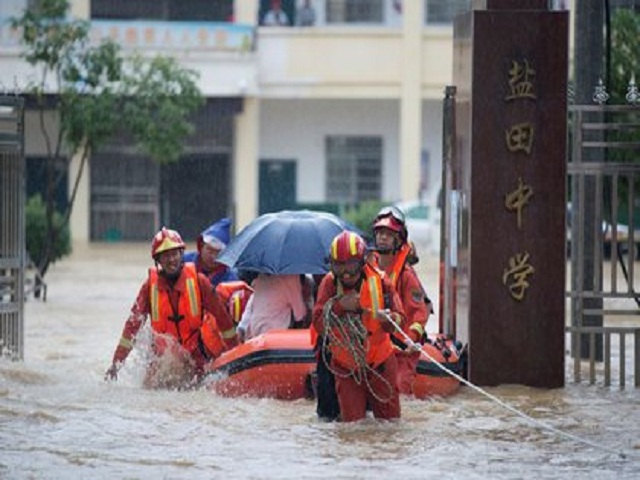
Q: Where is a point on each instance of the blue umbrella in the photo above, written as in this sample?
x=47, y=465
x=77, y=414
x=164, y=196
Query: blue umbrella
x=286, y=242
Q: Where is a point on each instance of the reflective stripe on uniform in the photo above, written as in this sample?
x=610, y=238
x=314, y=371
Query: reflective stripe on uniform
x=155, y=307
x=236, y=308
x=376, y=294
x=417, y=327
x=193, y=297
x=227, y=334
x=125, y=343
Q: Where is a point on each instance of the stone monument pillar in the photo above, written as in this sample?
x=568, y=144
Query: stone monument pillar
x=510, y=70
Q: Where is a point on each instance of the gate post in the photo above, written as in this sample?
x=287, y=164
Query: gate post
x=12, y=233
x=511, y=115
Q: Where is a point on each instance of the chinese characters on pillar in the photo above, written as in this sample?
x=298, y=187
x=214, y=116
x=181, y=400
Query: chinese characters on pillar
x=519, y=138
x=516, y=274
x=517, y=199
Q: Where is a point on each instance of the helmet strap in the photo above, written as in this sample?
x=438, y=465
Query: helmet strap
x=397, y=244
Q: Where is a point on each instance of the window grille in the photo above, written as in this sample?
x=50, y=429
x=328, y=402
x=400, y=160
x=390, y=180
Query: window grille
x=444, y=11
x=354, y=169
x=355, y=11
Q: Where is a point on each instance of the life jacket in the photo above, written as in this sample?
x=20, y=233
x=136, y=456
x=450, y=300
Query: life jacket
x=187, y=323
x=235, y=295
x=377, y=344
x=212, y=339
x=399, y=261
x=394, y=272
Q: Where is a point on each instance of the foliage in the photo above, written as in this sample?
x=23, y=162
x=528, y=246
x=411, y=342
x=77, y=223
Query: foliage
x=36, y=229
x=165, y=96
x=625, y=60
x=625, y=66
x=363, y=214
x=99, y=92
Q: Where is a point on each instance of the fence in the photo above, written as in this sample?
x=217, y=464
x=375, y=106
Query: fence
x=604, y=179
x=12, y=233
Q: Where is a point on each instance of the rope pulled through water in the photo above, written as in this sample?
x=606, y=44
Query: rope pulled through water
x=349, y=333
x=530, y=420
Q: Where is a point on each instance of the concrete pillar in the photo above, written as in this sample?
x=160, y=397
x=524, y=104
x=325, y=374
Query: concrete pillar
x=80, y=9
x=511, y=121
x=245, y=163
x=245, y=11
x=410, y=100
x=81, y=212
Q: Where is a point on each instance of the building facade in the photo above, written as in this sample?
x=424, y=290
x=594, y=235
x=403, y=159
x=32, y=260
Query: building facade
x=343, y=110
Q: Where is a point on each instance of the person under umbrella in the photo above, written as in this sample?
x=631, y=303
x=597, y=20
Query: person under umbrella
x=285, y=242
x=277, y=302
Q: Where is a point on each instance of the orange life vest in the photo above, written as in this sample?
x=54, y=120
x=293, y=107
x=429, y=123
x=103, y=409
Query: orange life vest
x=399, y=260
x=394, y=272
x=378, y=345
x=235, y=296
x=189, y=325
x=211, y=336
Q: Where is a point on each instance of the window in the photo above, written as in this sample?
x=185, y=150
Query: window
x=184, y=10
x=354, y=169
x=355, y=11
x=444, y=11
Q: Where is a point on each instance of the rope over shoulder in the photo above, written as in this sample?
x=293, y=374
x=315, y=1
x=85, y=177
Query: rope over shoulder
x=532, y=421
x=349, y=333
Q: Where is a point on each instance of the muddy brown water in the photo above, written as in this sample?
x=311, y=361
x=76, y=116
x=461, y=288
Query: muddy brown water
x=59, y=419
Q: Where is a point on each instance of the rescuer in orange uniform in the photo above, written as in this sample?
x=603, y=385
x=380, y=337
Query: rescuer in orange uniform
x=353, y=311
x=187, y=318
x=392, y=255
x=235, y=295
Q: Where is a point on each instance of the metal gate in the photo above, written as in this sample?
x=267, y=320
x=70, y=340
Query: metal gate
x=603, y=235
x=12, y=231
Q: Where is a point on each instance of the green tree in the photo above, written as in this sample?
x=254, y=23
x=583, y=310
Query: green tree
x=98, y=92
x=625, y=67
x=625, y=59
x=36, y=228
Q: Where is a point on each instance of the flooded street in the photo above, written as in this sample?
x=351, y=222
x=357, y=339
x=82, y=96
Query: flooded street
x=60, y=420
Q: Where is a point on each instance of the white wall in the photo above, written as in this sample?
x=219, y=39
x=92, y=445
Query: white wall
x=432, y=139
x=296, y=129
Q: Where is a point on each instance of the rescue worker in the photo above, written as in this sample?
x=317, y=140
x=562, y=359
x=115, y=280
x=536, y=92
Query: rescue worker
x=210, y=244
x=394, y=255
x=235, y=295
x=188, y=319
x=353, y=311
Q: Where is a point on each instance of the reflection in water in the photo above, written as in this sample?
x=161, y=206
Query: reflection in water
x=58, y=419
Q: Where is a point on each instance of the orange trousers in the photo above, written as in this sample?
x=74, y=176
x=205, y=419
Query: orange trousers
x=407, y=363
x=353, y=396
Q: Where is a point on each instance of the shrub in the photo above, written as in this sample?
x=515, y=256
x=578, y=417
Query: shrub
x=362, y=215
x=36, y=231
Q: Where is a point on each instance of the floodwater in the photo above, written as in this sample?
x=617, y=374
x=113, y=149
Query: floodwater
x=60, y=420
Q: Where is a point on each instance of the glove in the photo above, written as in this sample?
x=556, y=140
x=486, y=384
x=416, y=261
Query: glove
x=111, y=374
x=415, y=337
x=350, y=302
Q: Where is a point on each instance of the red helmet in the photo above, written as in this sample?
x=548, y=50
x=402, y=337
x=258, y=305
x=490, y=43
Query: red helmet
x=165, y=240
x=347, y=246
x=393, y=219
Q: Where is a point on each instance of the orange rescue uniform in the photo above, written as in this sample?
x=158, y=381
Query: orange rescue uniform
x=180, y=310
x=352, y=394
x=406, y=282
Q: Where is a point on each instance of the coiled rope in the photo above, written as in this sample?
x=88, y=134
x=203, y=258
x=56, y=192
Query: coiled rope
x=530, y=420
x=348, y=332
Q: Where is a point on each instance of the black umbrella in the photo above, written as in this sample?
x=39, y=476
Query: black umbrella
x=286, y=242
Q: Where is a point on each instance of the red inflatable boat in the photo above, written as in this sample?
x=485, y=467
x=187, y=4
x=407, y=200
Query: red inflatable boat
x=279, y=364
